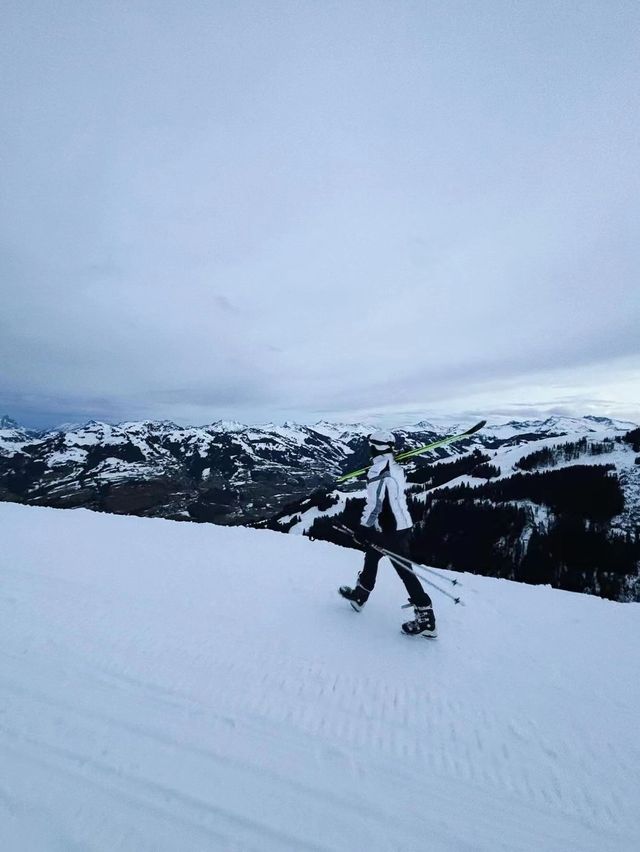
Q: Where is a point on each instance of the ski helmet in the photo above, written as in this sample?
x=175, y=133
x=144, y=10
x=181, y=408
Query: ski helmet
x=382, y=441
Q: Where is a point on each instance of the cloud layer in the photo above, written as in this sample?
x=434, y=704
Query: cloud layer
x=269, y=210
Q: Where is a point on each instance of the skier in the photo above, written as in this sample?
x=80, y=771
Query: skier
x=387, y=522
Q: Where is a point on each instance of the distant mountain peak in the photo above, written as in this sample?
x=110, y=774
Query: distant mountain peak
x=225, y=426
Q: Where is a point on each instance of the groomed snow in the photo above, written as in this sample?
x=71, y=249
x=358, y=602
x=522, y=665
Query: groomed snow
x=173, y=686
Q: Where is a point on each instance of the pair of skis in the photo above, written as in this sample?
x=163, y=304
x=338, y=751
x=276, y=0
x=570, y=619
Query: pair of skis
x=407, y=564
x=409, y=454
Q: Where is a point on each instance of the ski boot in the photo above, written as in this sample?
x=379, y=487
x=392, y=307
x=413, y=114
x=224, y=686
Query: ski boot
x=424, y=623
x=357, y=597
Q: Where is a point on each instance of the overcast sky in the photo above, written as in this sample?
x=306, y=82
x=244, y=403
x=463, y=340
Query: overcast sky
x=301, y=210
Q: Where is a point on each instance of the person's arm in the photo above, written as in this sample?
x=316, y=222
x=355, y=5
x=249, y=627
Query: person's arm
x=376, y=489
x=396, y=485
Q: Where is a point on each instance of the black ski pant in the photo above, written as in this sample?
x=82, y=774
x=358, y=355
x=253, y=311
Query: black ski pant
x=398, y=542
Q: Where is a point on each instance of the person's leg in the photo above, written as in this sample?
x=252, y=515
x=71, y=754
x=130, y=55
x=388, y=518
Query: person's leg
x=366, y=581
x=399, y=543
x=424, y=623
x=369, y=572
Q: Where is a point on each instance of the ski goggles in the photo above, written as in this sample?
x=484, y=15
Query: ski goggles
x=381, y=445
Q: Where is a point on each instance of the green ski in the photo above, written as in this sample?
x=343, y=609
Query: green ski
x=408, y=454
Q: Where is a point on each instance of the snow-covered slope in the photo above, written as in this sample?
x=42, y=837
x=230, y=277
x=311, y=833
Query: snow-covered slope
x=190, y=687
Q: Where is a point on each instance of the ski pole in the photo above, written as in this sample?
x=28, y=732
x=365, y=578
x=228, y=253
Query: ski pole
x=454, y=582
x=405, y=564
x=414, y=568
x=423, y=568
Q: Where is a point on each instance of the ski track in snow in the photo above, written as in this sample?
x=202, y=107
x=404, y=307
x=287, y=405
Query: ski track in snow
x=173, y=686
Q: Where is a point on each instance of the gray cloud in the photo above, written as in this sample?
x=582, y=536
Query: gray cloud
x=254, y=209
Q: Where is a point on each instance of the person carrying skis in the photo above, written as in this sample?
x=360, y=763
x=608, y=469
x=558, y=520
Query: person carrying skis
x=386, y=521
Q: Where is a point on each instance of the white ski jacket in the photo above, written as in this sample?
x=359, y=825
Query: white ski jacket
x=385, y=478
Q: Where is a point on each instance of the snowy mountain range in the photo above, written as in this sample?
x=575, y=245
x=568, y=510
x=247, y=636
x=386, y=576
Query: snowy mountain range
x=195, y=687
x=524, y=499
x=224, y=472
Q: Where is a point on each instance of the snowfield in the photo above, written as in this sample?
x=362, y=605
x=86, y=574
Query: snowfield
x=178, y=687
